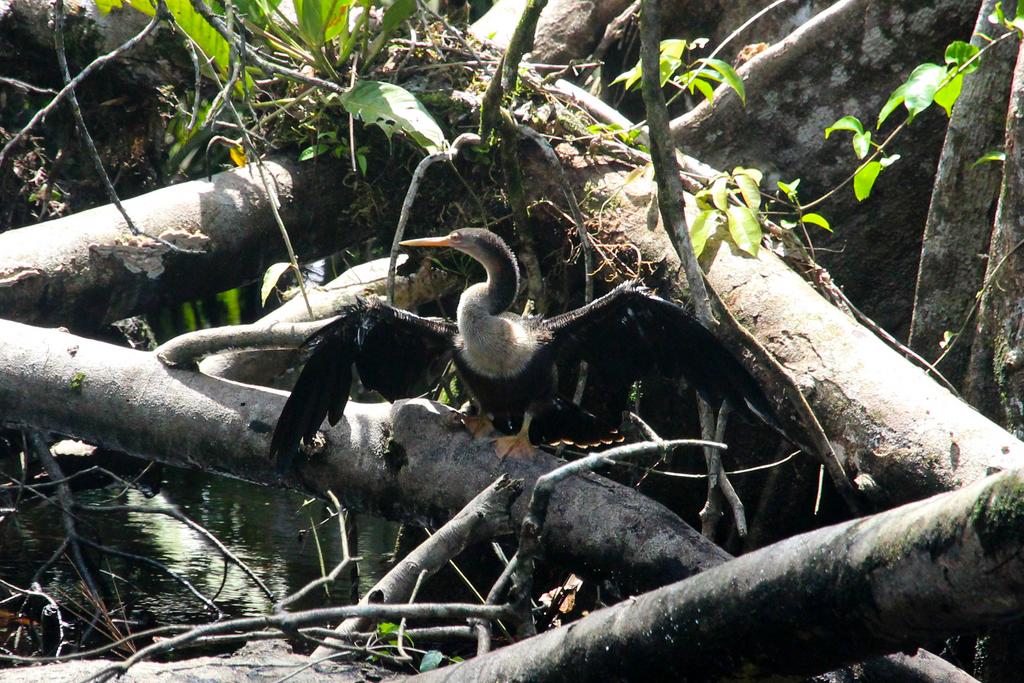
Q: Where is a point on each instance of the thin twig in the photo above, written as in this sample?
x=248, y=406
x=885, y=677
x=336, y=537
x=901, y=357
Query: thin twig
x=410, y=197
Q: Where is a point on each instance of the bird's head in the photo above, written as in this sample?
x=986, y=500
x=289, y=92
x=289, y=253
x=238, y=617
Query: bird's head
x=472, y=241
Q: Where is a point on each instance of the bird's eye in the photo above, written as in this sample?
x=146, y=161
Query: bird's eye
x=454, y=236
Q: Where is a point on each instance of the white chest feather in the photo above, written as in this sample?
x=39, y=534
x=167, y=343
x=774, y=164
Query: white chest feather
x=496, y=346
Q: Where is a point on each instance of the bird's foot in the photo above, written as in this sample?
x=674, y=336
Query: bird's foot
x=476, y=425
x=516, y=446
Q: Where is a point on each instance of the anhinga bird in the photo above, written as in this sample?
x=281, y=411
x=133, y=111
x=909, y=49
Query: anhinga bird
x=508, y=362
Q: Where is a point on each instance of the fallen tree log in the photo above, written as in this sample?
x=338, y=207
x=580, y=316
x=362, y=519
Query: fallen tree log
x=802, y=606
x=377, y=459
x=87, y=269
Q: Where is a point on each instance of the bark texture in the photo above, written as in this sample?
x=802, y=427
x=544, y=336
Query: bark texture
x=802, y=606
x=376, y=459
x=995, y=380
x=959, y=225
x=846, y=60
x=87, y=269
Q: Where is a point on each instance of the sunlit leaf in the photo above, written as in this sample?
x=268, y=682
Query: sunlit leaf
x=673, y=48
x=744, y=229
x=959, y=53
x=702, y=227
x=923, y=83
x=753, y=173
x=237, y=155
x=865, y=180
x=947, y=95
x=629, y=78
x=706, y=89
x=749, y=190
x=888, y=161
x=720, y=193
x=789, y=188
x=728, y=74
x=816, y=219
x=270, y=278
x=862, y=144
x=394, y=108
x=850, y=123
x=996, y=155
x=895, y=100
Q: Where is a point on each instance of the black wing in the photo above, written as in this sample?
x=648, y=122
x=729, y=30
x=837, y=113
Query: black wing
x=630, y=332
x=398, y=353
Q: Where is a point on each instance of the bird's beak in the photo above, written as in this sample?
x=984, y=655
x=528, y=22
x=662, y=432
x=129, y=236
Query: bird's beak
x=428, y=242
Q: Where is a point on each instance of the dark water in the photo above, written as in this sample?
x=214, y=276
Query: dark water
x=270, y=530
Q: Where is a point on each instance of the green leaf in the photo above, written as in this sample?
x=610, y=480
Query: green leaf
x=706, y=89
x=270, y=278
x=394, y=108
x=862, y=144
x=629, y=78
x=321, y=20
x=789, y=188
x=749, y=190
x=720, y=193
x=703, y=225
x=753, y=173
x=959, y=53
x=923, y=83
x=210, y=43
x=729, y=74
x=947, y=95
x=314, y=151
x=399, y=11
x=997, y=17
x=816, y=219
x=850, y=123
x=865, y=180
x=745, y=229
x=895, y=100
x=673, y=48
x=995, y=155
x=385, y=628
x=431, y=660
x=258, y=11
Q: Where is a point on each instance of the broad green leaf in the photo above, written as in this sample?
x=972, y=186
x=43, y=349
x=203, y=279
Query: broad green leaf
x=923, y=83
x=990, y=156
x=385, y=628
x=431, y=660
x=816, y=219
x=321, y=20
x=753, y=173
x=744, y=228
x=706, y=89
x=629, y=78
x=865, y=180
x=862, y=144
x=704, y=200
x=895, y=100
x=195, y=27
x=850, y=123
x=258, y=11
x=667, y=67
x=399, y=11
x=394, y=108
x=749, y=190
x=959, y=53
x=673, y=48
x=703, y=225
x=720, y=193
x=314, y=151
x=947, y=95
x=270, y=278
x=728, y=74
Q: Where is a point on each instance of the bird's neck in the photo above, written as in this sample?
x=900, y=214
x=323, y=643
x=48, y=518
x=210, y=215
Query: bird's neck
x=499, y=291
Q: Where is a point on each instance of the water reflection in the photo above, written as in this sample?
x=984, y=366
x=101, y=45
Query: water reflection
x=270, y=530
